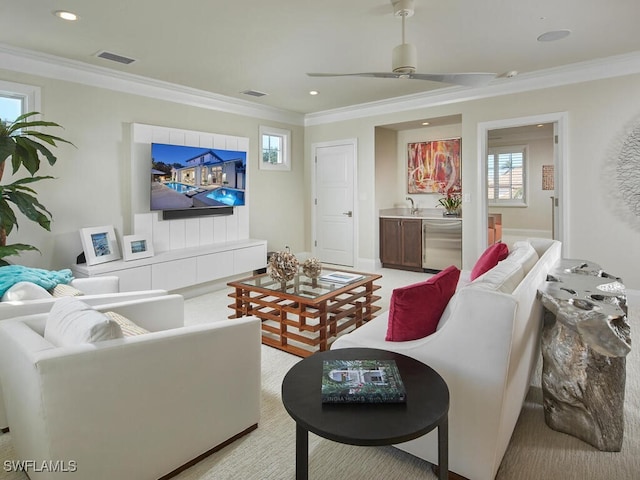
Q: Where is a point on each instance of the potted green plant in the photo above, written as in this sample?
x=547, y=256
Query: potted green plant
x=24, y=145
x=451, y=202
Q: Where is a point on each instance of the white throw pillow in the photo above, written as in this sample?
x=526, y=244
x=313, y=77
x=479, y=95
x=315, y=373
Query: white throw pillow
x=504, y=277
x=72, y=321
x=22, y=291
x=525, y=254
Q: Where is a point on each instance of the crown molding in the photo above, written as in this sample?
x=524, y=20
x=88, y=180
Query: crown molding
x=50, y=66
x=609, y=67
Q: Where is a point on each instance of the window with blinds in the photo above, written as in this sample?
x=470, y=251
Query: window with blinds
x=506, y=175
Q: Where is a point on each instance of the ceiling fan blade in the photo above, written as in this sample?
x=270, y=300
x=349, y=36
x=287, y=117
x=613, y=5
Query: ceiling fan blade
x=466, y=79
x=364, y=74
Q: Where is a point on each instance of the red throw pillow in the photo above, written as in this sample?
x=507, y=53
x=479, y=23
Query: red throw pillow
x=416, y=309
x=489, y=259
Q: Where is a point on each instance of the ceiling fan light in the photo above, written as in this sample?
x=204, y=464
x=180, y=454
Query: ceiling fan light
x=404, y=58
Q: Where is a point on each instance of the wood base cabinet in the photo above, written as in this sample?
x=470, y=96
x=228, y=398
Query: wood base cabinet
x=401, y=243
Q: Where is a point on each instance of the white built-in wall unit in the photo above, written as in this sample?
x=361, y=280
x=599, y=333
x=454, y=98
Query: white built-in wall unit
x=188, y=251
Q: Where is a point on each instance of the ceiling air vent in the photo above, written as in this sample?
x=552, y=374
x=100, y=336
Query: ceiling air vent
x=254, y=93
x=114, y=57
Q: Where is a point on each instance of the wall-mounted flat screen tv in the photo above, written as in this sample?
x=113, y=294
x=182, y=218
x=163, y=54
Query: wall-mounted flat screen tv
x=196, y=180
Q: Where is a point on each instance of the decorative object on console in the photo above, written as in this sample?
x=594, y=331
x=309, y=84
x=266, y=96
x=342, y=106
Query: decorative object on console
x=19, y=140
x=585, y=340
x=283, y=266
x=415, y=310
x=434, y=166
x=489, y=259
x=312, y=267
x=99, y=244
x=136, y=246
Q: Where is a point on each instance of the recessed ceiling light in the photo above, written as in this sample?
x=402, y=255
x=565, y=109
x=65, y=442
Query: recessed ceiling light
x=540, y=125
x=70, y=16
x=314, y=92
x=425, y=123
x=554, y=35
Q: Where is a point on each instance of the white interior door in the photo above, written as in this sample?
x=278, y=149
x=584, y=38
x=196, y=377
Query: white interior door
x=334, y=203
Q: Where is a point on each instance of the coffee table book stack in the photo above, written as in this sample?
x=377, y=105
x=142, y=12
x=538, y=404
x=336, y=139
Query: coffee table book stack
x=362, y=381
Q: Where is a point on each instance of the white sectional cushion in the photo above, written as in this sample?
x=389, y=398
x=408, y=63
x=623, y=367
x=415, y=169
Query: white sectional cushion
x=71, y=321
x=504, y=277
x=23, y=291
x=525, y=254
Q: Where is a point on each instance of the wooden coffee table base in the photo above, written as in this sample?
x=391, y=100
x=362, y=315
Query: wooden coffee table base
x=302, y=325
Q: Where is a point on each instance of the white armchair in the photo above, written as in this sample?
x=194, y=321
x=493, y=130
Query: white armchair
x=135, y=407
x=96, y=291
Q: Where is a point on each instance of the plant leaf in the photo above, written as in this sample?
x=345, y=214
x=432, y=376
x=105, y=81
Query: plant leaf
x=38, y=147
x=7, y=217
x=46, y=137
x=25, y=155
x=31, y=208
x=14, y=249
x=7, y=147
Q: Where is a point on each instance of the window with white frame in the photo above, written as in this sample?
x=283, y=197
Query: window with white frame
x=17, y=99
x=275, y=147
x=506, y=176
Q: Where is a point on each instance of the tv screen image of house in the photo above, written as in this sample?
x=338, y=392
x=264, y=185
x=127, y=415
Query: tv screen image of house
x=184, y=177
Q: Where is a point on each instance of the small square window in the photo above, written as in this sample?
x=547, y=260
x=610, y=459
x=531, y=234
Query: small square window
x=275, y=146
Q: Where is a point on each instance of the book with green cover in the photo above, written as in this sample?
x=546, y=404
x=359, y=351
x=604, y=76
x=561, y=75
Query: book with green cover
x=362, y=381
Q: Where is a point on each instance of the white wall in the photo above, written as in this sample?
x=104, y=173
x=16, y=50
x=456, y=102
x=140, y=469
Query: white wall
x=92, y=185
x=597, y=112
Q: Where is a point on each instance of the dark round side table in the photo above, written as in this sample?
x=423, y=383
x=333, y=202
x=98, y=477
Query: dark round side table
x=368, y=424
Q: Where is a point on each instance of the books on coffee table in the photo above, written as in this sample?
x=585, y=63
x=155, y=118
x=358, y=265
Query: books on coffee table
x=341, y=277
x=362, y=381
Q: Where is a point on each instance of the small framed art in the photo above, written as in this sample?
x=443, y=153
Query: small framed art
x=136, y=246
x=99, y=244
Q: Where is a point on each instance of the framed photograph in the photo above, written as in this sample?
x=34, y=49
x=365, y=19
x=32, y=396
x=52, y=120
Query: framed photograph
x=434, y=167
x=99, y=244
x=136, y=246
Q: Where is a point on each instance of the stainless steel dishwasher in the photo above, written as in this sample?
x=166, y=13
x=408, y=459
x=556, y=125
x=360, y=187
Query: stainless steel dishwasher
x=441, y=243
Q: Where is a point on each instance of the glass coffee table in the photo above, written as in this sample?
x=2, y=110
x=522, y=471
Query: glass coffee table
x=305, y=315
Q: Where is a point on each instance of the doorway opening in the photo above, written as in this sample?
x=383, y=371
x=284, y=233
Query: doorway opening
x=521, y=178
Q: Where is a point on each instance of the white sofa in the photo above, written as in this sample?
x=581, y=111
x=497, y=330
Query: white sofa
x=96, y=291
x=486, y=348
x=131, y=408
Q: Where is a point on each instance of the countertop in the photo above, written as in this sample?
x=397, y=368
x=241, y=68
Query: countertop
x=422, y=214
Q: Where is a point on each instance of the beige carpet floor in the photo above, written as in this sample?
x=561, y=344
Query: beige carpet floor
x=535, y=453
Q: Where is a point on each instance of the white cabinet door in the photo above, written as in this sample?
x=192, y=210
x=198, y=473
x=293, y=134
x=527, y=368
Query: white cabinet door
x=214, y=266
x=173, y=275
x=132, y=279
x=249, y=259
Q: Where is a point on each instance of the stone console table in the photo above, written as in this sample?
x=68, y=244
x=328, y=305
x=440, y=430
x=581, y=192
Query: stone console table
x=585, y=340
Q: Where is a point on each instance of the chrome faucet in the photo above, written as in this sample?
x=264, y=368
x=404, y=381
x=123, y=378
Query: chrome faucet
x=414, y=210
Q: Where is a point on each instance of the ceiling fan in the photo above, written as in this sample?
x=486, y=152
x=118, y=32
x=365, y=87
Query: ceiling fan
x=404, y=60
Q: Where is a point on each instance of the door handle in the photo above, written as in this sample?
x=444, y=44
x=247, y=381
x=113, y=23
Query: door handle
x=348, y=214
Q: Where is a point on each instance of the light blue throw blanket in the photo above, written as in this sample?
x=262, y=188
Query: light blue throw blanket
x=47, y=279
